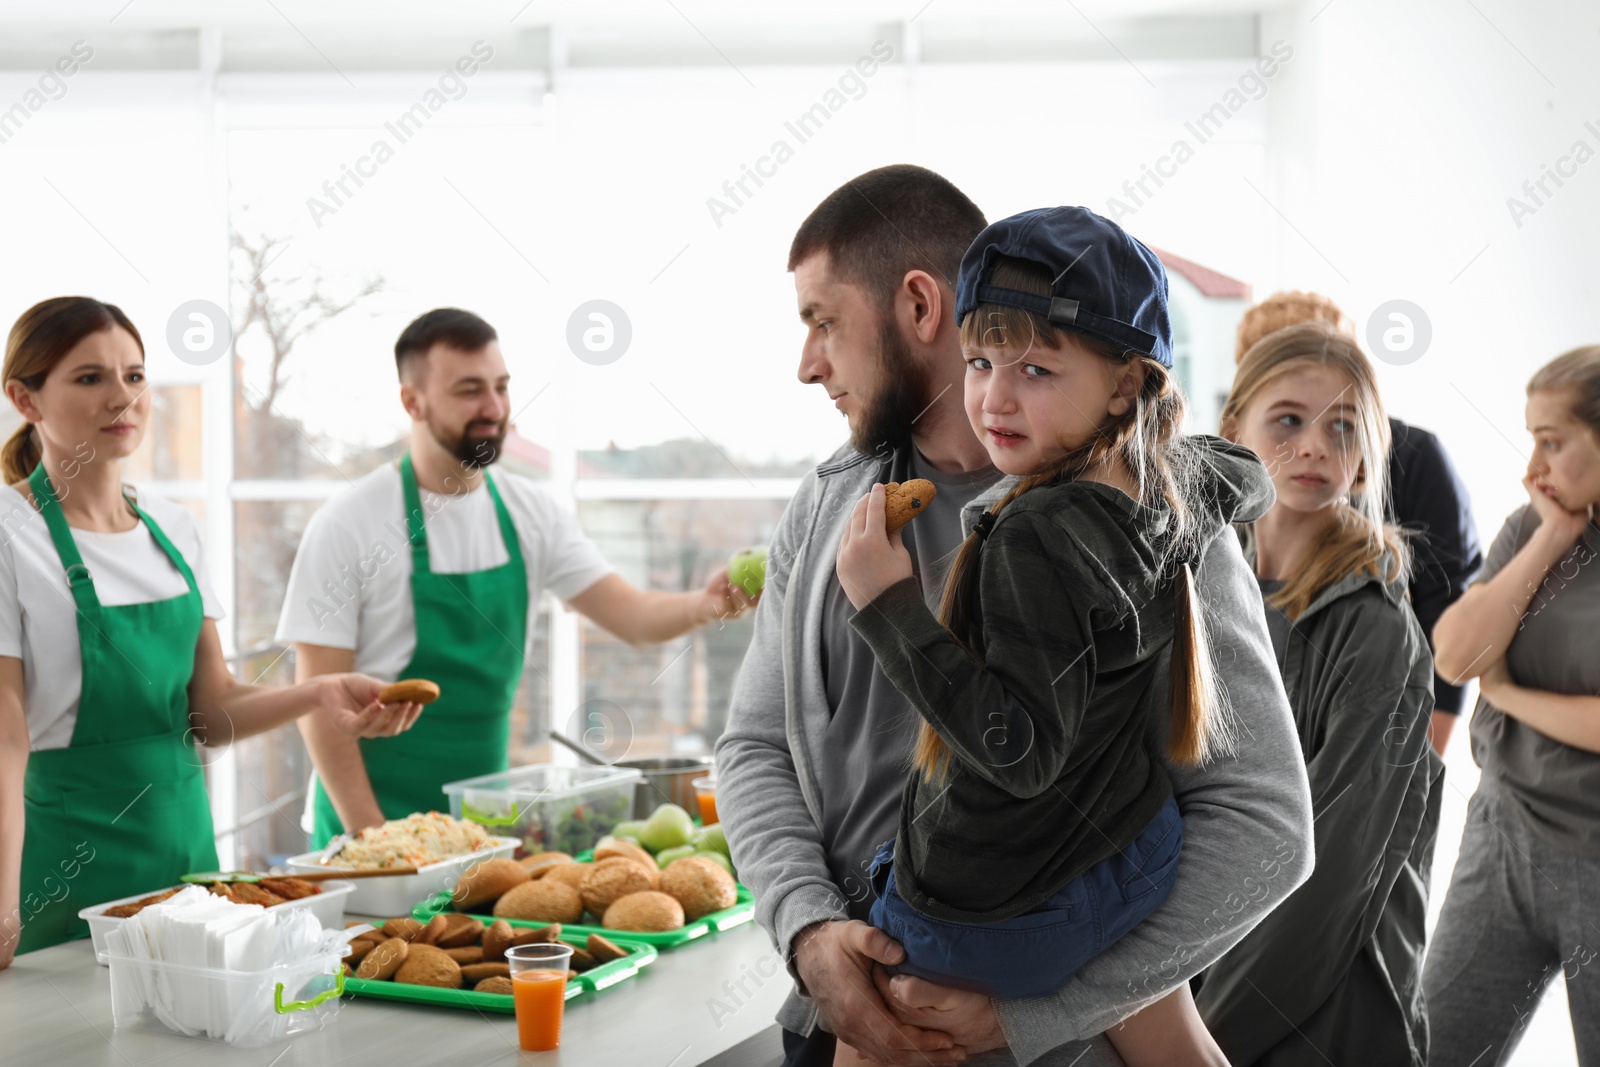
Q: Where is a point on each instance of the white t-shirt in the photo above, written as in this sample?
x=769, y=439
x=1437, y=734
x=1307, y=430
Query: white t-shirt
x=351, y=582
x=38, y=619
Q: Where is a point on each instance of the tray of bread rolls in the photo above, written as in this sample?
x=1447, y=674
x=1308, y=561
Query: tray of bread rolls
x=609, y=892
x=455, y=961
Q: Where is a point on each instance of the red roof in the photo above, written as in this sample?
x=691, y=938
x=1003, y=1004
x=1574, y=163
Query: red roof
x=1210, y=283
x=535, y=455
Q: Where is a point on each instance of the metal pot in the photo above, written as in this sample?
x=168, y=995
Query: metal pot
x=667, y=779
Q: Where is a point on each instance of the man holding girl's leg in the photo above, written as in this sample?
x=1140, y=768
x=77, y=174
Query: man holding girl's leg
x=810, y=792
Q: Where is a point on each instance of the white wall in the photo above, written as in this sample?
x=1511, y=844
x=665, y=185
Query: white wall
x=1393, y=150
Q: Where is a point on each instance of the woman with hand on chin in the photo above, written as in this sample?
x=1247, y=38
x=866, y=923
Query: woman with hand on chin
x=1521, y=905
x=110, y=664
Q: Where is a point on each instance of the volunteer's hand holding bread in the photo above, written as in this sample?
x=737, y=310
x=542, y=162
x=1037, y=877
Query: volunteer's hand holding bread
x=360, y=706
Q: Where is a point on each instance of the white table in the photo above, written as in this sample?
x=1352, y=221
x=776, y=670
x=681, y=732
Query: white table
x=708, y=1002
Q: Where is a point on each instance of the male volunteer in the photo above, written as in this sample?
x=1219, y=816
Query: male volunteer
x=811, y=767
x=431, y=568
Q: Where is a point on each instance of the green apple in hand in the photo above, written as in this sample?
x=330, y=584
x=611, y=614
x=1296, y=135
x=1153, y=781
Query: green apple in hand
x=669, y=826
x=747, y=569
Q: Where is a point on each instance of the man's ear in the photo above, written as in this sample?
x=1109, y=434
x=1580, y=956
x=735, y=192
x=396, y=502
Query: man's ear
x=411, y=400
x=921, y=304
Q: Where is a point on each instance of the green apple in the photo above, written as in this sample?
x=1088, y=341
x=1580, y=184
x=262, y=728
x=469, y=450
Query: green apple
x=629, y=829
x=667, y=855
x=712, y=839
x=669, y=826
x=747, y=569
x=716, y=857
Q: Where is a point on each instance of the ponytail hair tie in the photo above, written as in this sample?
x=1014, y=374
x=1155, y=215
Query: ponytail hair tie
x=984, y=525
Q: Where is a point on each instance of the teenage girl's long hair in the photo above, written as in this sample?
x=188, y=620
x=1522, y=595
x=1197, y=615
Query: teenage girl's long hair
x=40, y=338
x=1167, y=472
x=1362, y=540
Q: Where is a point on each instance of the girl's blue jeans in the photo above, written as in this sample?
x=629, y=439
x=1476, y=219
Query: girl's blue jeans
x=1040, y=950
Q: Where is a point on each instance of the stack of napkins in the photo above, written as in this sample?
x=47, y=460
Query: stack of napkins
x=207, y=955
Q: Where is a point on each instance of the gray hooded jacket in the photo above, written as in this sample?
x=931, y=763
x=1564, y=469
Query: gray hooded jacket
x=1341, y=959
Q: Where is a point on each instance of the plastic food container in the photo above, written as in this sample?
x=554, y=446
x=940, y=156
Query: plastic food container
x=546, y=807
x=389, y=897
x=248, y=1009
x=328, y=906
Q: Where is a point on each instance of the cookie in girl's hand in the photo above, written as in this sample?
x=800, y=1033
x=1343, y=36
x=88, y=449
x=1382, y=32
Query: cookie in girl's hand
x=906, y=500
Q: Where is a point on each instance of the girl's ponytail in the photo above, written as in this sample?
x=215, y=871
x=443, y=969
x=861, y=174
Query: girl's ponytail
x=20, y=454
x=1201, y=724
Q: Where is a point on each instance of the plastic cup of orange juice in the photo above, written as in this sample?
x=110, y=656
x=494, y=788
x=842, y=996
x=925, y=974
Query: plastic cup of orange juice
x=539, y=991
x=705, y=794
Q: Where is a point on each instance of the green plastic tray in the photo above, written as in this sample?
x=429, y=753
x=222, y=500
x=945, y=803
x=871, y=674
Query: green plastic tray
x=590, y=981
x=743, y=910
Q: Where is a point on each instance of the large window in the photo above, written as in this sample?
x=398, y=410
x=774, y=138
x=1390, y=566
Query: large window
x=323, y=209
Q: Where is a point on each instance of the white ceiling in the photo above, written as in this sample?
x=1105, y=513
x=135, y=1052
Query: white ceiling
x=372, y=34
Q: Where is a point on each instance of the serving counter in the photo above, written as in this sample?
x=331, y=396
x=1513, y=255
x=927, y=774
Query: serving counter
x=708, y=1002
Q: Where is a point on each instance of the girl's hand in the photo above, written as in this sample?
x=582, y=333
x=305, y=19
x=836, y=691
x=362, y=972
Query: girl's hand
x=1495, y=682
x=870, y=558
x=1565, y=526
x=351, y=703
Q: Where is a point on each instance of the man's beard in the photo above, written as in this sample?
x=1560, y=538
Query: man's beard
x=898, y=401
x=470, y=450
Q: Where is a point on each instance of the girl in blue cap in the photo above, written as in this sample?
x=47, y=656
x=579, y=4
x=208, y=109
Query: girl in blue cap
x=1038, y=825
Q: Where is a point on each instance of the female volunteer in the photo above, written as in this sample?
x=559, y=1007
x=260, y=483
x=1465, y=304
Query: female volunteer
x=110, y=664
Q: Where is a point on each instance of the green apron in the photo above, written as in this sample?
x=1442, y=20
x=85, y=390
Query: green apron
x=472, y=631
x=122, y=810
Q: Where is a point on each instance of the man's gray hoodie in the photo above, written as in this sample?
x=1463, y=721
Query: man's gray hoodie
x=1248, y=834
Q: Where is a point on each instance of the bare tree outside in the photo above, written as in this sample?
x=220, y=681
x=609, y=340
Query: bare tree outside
x=275, y=312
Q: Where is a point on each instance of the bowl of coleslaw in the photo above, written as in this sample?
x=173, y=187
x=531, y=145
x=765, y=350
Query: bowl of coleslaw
x=439, y=847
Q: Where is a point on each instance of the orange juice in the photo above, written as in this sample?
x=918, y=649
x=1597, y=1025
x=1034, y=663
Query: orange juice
x=708, y=806
x=540, y=997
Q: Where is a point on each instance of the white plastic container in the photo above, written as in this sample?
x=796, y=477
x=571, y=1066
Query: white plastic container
x=328, y=906
x=547, y=807
x=248, y=1009
x=391, y=897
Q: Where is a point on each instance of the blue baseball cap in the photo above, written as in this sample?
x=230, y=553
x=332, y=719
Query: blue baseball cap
x=1107, y=284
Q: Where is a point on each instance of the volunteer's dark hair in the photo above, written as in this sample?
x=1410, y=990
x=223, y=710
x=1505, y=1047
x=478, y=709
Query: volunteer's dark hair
x=450, y=327
x=39, y=339
x=880, y=226
x=1168, y=471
